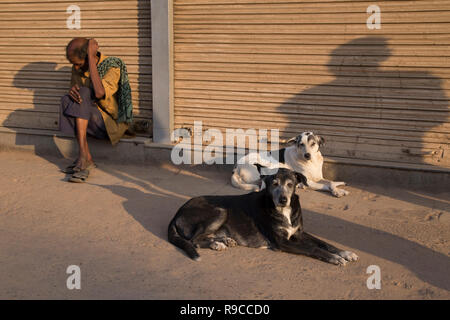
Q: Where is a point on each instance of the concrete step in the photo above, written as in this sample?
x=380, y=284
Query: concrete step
x=143, y=151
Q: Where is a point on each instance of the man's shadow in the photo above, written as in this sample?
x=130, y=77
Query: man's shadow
x=374, y=112
x=47, y=84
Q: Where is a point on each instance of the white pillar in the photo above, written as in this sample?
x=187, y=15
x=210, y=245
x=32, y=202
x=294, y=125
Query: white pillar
x=162, y=69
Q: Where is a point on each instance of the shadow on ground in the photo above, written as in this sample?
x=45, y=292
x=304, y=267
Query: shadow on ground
x=151, y=210
x=430, y=266
x=154, y=209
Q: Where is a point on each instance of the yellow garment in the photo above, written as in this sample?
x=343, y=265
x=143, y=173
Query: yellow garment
x=108, y=106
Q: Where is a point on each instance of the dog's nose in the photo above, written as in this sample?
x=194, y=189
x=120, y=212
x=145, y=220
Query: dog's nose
x=307, y=156
x=283, y=200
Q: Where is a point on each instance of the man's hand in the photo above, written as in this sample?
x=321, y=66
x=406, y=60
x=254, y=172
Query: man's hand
x=92, y=48
x=74, y=93
x=95, y=77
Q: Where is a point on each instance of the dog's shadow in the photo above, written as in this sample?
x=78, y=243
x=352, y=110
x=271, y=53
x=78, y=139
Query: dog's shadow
x=430, y=266
x=154, y=215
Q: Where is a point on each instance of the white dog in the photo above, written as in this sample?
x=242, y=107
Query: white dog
x=302, y=155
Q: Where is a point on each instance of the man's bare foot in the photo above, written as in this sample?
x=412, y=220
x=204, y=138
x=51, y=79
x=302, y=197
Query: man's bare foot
x=84, y=163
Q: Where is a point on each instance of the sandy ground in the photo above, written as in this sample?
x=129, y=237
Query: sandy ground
x=114, y=229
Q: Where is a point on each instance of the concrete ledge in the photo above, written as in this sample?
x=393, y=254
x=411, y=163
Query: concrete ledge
x=142, y=151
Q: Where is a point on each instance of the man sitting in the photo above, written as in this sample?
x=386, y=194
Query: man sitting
x=98, y=103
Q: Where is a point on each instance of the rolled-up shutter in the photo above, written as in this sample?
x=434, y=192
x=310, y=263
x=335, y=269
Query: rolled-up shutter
x=378, y=94
x=34, y=72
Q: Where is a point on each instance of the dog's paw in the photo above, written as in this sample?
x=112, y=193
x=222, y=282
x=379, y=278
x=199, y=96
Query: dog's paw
x=230, y=242
x=219, y=246
x=348, y=255
x=301, y=186
x=339, y=192
x=337, y=260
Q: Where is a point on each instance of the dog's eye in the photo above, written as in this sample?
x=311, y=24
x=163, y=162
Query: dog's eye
x=275, y=182
x=313, y=144
x=301, y=144
x=290, y=185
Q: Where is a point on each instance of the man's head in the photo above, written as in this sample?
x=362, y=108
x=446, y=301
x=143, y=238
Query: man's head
x=76, y=53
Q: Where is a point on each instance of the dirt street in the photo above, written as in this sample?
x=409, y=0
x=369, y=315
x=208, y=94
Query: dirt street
x=114, y=228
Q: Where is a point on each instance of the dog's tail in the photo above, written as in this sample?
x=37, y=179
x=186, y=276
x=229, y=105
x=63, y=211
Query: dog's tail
x=237, y=182
x=176, y=239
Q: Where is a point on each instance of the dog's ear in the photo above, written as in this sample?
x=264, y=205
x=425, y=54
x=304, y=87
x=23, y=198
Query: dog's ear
x=301, y=179
x=266, y=180
x=291, y=141
x=259, y=166
x=320, y=140
x=262, y=186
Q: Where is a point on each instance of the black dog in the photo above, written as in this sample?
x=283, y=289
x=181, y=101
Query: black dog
x=268, y=218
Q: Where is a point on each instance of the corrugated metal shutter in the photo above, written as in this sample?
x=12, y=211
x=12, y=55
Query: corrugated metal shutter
x=34, y=72
x=314, y=65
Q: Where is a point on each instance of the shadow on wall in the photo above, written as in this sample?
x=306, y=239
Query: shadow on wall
x=41, y=78
x=375, y=112
x=363, y=92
